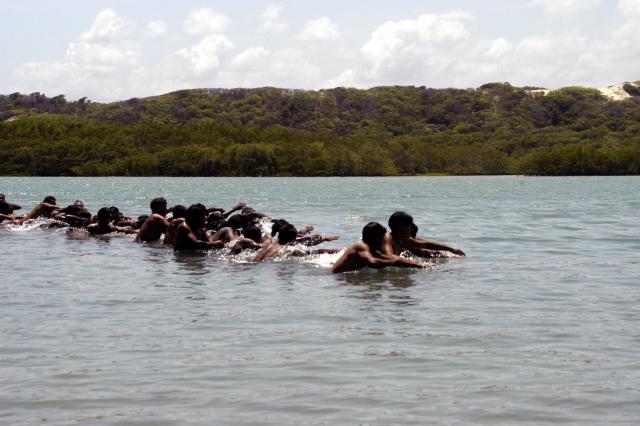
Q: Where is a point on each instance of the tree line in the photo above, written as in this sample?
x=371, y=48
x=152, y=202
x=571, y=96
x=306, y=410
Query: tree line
x=495, y=129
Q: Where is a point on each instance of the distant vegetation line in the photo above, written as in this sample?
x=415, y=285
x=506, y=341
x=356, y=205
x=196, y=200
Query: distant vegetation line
x=495, y=129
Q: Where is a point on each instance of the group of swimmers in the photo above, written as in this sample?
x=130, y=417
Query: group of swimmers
x=238, y=229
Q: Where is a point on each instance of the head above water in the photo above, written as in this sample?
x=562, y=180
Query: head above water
x=253, y=233
x=78, y=204
x=159, y=206
x=400, y=224
x=237, y=221
x=373, y=234
x=196, y=215
x=141, y=220
x=50, y=199
x=287, y=234
x=414, y=230
x=214, y=221
x=115, y=213
x=104, y=215
x=277, y=224
x=2, y=197
x=178, y=211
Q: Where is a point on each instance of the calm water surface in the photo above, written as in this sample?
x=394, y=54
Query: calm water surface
x=539, y=324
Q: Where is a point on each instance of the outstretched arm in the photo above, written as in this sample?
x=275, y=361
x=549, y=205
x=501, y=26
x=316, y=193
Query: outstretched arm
x=234, y=209
x=314, y=240
x=432, y=245
x=378, y=263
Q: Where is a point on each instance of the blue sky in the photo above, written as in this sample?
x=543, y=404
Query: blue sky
x=110, y=50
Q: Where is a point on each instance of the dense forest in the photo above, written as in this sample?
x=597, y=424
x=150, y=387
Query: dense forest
x=495, y=129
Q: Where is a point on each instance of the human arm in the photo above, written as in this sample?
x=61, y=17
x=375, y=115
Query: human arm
x=432, y=245
x=386, y=260
x=305, y=230
x=239, y=206
x=244, y=244
x=314, y=240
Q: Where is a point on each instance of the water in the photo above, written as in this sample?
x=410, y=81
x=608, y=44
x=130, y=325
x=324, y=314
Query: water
x=539, y=324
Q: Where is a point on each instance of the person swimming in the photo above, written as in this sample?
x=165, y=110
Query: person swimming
x=45, y=209
x=192, y=235
x=252, y=239
x=75, y=215
x=401, y=239
x=104, y=225
x=156, y=224
x=178, y=214
x=368, y=253
x=287, y=235
x=7, y=209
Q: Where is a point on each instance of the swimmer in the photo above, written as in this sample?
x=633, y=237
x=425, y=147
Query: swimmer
x=252, y=240
x=156, y=224
x=7, y=209
x=104, y=225
x=287, y=235
x=178, y=214
x=191, y=234
x=400, y=239
x=312, y=240
x=367, y=253
x=75, y=215
x=44, y=209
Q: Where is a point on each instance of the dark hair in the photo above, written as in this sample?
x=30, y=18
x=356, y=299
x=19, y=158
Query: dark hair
x=399, y=219
x=104, y=214
x=2, y=196
x=141, y=220
x=195, y=213
x=158, y=205
x=372, y=232
x=77, y=211
x=414, y=230
x=49, y=199
x=287, y=234
x=277, y=224
x=115, y=212
x=178, y=211
x=214, y=221
x=254, y=233
x=237, y=221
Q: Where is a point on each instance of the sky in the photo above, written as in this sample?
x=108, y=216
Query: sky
x=115, y=50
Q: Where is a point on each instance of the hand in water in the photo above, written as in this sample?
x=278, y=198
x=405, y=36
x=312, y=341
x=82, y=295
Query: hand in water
x=458, y=252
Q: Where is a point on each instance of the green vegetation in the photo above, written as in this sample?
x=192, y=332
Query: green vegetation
x=495, y=129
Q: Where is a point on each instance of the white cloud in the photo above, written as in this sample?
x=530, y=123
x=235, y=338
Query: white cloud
x=156, y=29
x=629, y=7
x=251, y=59
x=205, y=56
x=499, y=47
x=271, y=20
x=205, y=21
x=348, y=78
x=258, y=66
x=565, y=7
x=412, y=48
x=108, y=26
x=99, y=63
x=322, y=29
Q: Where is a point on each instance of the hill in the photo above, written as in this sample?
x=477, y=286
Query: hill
x=494, y=129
